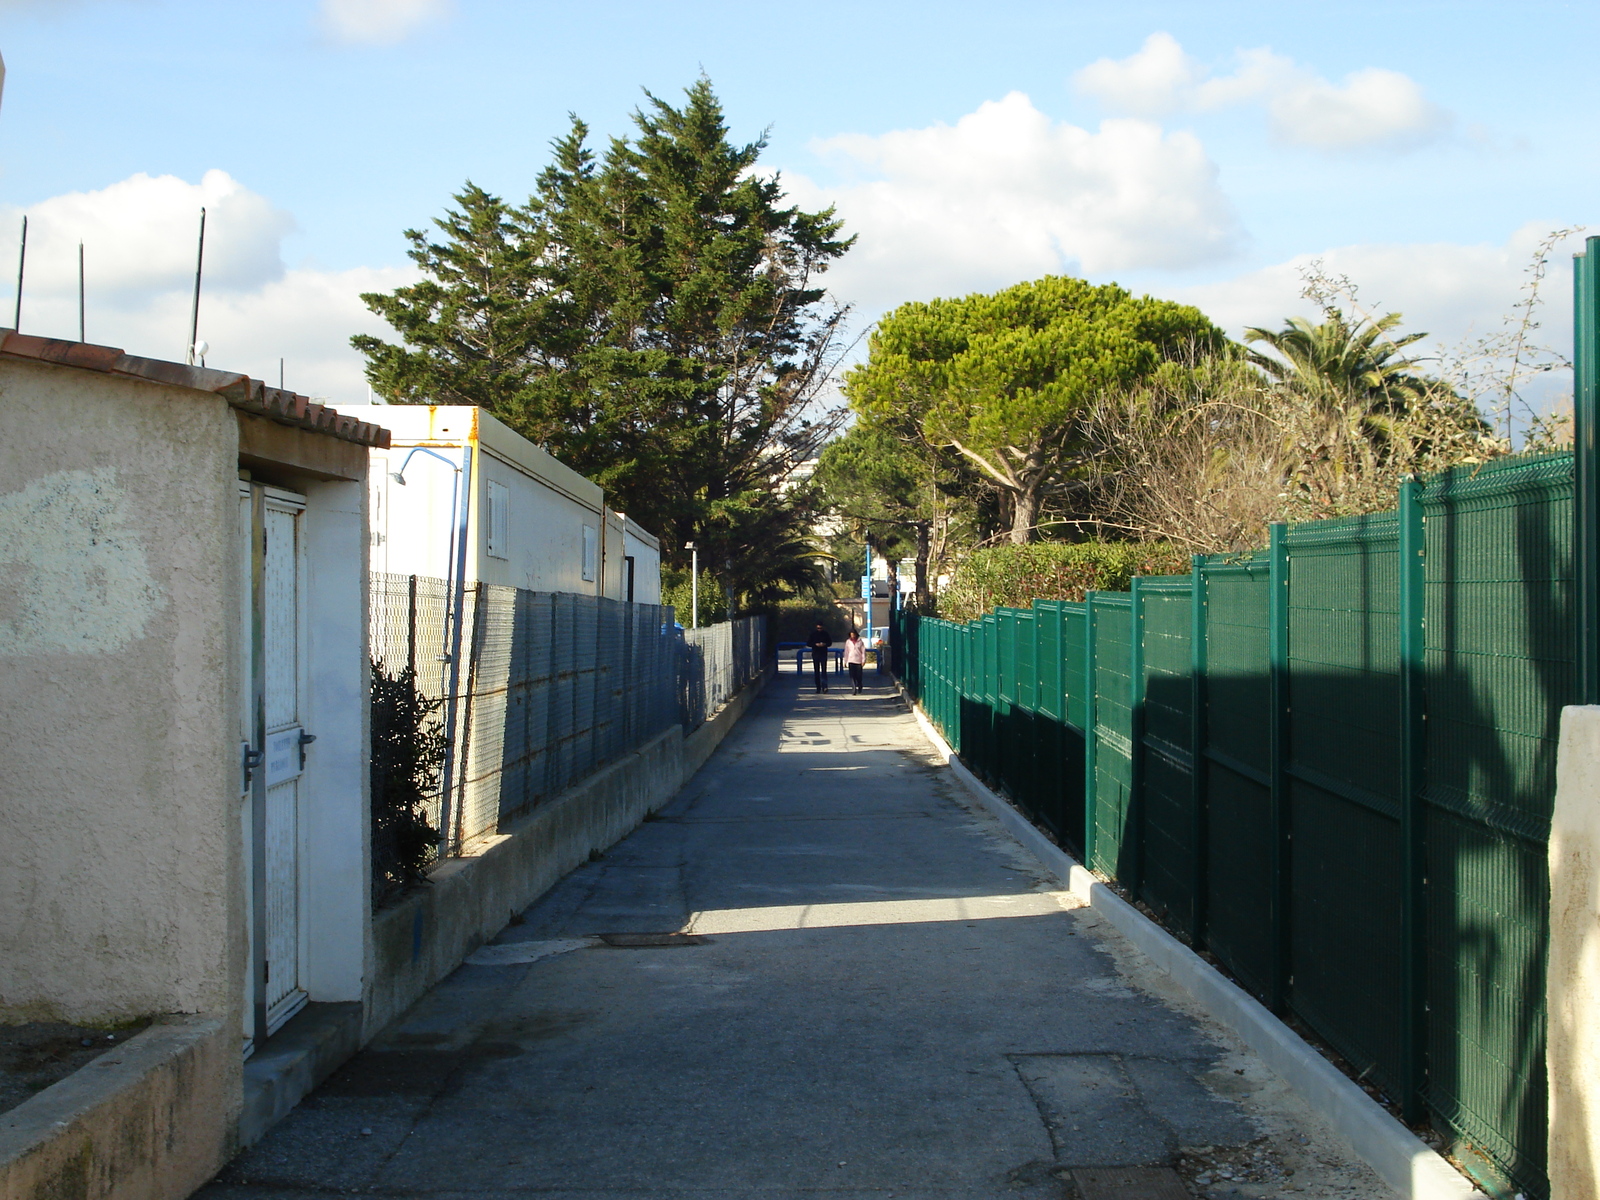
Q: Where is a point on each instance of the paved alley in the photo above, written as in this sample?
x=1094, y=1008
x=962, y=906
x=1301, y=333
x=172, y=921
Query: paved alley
x=874, y=992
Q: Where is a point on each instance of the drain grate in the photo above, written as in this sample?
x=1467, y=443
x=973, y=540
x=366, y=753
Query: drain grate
x=647, y=941
x=1129, y=1183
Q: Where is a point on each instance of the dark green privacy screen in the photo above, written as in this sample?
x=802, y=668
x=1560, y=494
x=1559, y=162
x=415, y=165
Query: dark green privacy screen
x=1332, y=772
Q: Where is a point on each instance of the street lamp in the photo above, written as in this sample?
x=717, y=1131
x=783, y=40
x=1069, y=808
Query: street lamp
x=694, y=583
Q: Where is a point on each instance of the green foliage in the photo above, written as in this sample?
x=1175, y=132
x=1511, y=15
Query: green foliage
x=878, y=483
x=1009, y=379
x=677, y=591
x=1016, y=576
x=652, y=316
x=1358, y=360
x=407, y=758
x=793, y=620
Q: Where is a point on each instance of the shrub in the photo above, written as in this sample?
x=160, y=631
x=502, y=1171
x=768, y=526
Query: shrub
x=676, y=591
x=407, y=761
x=1016, y=576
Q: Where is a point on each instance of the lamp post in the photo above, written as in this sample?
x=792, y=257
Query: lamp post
x=694, y=583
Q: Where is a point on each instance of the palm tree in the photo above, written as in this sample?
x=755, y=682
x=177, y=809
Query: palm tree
x=1356, y=361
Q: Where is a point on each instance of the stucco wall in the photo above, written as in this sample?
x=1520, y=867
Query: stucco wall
x=1573, y=981
x=118, y=781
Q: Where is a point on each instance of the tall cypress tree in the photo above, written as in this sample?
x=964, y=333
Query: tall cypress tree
x=653, y=316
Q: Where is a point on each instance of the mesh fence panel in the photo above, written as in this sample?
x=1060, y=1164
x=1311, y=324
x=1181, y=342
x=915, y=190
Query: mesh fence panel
x=409, y=625
x=1344, y=788
x=1166, y=768
x=1113, y=735
x=1239, y=847
x=551, y=686
x=1500, y=662
x=715, y=662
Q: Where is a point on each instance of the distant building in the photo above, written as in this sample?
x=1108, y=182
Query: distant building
x=530, y=521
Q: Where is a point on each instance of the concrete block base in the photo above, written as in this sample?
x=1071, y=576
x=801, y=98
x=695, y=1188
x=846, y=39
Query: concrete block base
x=293, y=1062
x=152, y=1120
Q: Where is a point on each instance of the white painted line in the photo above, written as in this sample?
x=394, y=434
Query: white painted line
x=508, y=954
x=1404, y=1162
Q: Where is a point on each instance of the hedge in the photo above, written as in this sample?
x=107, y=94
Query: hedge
x=1016, y=576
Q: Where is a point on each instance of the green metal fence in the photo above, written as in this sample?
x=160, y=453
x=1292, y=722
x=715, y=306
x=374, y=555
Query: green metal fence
x=1331, y=765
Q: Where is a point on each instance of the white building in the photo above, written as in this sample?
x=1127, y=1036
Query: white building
x=529, y=521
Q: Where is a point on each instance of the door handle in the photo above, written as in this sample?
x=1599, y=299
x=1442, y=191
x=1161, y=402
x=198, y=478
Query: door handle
x=249, y=760
x=305, y=740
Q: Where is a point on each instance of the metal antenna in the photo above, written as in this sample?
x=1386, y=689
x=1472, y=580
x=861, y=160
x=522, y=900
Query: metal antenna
x=194, y=311
x=280, y=374
x=81, y=338
x=22, y=261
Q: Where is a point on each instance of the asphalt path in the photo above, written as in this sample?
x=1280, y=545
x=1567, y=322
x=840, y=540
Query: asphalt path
x=818, y=972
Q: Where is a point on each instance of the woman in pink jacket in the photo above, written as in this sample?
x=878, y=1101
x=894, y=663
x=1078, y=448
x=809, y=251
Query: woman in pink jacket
x=855, y=657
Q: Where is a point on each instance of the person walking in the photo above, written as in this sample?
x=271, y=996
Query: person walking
x=855, y=657
x=820, y=643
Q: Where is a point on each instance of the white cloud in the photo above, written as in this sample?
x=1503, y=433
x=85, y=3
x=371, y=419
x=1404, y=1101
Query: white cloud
x=1157, y=79
x=139, y=245
x=1372, y=107
x=1456, y=293
x=379, y=22
x=1007, y=194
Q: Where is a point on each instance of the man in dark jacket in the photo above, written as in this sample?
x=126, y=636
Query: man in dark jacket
x=819, y=643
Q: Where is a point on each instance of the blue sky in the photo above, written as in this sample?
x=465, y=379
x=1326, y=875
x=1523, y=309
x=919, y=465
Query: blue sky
x=1199, y=151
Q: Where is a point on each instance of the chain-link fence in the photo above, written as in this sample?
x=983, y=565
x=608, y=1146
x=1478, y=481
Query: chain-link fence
x=550, y=687
x=717, y=661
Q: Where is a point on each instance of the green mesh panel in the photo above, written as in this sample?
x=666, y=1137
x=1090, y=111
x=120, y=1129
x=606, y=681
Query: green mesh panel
x=1239, y=846
x=1344, y=788
x=1113, y=732
x=1499, y=666
x=1166, y=772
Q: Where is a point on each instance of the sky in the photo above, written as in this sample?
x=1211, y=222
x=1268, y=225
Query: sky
x=1200, y=152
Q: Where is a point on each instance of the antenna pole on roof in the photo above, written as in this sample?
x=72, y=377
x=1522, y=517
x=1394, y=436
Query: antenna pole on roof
x=81, y=338
x=22, y=261
x=194, y=311
x=280, y=374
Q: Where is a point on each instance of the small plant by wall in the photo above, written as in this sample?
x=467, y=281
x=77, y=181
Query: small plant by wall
x=408, y=746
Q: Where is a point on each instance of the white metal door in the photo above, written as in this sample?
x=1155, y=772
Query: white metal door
x=282, y=701
x=275, y=757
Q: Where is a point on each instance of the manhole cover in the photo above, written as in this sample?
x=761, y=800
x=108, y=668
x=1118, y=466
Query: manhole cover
x=644, y=941
x=1129, y=1183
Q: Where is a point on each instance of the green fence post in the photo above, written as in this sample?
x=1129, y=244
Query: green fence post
x=1278, y=749
x=1088, y=730
x=1413, y=944
x=1586, y=513
x=1133, y=826
x=1197, y=744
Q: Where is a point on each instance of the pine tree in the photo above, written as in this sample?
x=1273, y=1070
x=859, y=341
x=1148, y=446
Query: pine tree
x=654, y=318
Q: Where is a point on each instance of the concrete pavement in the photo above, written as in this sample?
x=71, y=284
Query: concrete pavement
x=870, y=991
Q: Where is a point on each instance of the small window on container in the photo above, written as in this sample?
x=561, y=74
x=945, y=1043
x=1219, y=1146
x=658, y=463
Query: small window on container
x=498, y=523
x=591, y=546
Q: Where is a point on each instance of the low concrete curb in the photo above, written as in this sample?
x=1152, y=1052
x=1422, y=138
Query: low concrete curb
x=152, y=1119
x=1400, y=1159
x=297, y=1058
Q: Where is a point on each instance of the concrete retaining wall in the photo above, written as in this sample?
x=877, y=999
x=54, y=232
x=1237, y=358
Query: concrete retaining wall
x=153, y=1118
x=424, y=937
x=1572, y=984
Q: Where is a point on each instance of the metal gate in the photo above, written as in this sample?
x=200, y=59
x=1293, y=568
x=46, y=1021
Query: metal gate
x=275, y=744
